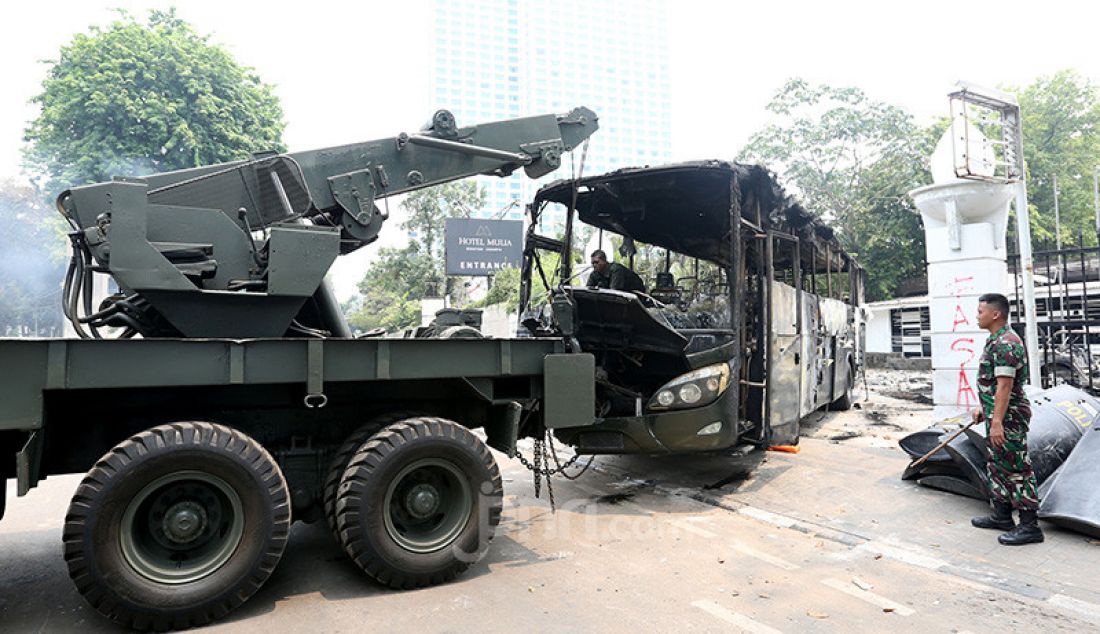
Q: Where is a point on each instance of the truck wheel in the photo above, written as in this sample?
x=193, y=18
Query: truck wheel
x=177, y=526
x=340, y=460
x=844, y=403
x=419, y=502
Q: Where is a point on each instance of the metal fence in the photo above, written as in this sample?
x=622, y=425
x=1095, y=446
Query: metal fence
x=1067, y=313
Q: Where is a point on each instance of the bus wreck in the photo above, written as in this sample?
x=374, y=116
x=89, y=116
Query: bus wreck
x=748, y=322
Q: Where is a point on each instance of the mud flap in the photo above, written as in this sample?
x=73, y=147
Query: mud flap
x=27, y=461
x=569, y=390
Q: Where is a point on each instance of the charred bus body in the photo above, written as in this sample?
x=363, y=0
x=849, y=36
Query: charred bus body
x=751, y=320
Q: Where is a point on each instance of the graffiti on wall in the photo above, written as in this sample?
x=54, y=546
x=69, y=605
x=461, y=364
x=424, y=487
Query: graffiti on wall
x=964, y=391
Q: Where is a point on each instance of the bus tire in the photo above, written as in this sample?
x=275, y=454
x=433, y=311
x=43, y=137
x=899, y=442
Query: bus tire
x=177, y=526
x=343, y=456
x=419, y=503
x=844, y=403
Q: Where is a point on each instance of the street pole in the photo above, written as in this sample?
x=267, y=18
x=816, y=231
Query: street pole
x=1057, y=218
x=1096, y=197
x=1027, y=279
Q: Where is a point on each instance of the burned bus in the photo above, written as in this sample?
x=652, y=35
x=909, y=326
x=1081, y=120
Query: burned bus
x=749, y=320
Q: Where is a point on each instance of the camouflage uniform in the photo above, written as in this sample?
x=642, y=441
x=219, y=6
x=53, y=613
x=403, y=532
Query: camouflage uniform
x=1011, y=479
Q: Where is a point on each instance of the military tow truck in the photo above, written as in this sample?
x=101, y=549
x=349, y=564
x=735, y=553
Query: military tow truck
x=219, y=392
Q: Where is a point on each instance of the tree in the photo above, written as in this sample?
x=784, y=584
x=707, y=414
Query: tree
x=391, y=291
x=1061, y=122
x=852, y=161
x=30, y=289
x=428, y=210
x=137, y=98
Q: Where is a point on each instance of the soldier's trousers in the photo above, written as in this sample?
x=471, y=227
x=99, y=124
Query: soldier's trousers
x=1011, y=479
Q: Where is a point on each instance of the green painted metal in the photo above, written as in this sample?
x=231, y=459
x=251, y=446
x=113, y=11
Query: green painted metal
x=182, y=527
x=241, y=249
x=570, y=390
x=427, y=505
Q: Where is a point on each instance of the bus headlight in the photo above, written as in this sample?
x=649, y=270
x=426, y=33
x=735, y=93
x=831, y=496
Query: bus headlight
x=694, y=389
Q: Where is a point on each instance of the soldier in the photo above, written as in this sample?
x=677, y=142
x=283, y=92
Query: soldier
x=1007, y=413
x=612, y=275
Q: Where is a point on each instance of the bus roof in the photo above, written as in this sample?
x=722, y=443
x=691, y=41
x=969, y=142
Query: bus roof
x=686, y=207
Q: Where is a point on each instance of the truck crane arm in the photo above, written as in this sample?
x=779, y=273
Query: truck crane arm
x=241, y=249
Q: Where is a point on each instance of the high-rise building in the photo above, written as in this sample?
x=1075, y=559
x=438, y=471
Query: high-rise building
x=498, y=59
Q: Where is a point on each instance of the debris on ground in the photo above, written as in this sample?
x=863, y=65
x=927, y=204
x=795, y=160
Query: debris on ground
x=1063, y=445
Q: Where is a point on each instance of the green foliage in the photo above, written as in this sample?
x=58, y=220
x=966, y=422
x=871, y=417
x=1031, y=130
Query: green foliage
x=851, y=160
x=137, y=98
x=504, y=290
x=391, y=291
x=30, y=288
x=428, y=210
x=1061, y=121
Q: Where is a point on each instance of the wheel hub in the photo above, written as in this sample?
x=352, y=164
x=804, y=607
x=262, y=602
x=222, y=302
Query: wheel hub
x=184, y=521
x=422, y=500
x=182, y=527
x=428, y=504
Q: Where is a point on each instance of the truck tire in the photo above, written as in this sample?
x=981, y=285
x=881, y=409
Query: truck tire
x=177, y=526
x=419, y=503
x=342, y=457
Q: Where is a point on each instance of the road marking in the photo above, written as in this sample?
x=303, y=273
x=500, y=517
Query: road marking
x=767, y=516
x=687, y=526
x=903, y=555
x=733, y=618
x=765, y=557
x=1077, y=605
x=869, y=597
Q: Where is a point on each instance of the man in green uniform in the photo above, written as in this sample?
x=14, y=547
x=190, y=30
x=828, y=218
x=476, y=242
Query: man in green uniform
x=1006, y=411
x=612, y=275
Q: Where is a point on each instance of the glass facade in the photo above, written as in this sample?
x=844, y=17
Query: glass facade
x=499, y=59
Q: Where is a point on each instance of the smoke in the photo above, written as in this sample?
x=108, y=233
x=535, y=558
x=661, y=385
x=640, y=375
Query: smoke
x=31, y=269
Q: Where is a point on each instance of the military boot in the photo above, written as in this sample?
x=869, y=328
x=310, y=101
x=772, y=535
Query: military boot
x=1000, y=518
x=1028, y=532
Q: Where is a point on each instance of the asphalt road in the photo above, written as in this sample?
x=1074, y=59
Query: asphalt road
x=825, y=540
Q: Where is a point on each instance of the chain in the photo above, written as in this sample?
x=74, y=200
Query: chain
x=539, y=466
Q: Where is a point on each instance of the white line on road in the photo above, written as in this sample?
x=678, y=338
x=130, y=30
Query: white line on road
x=904, y=555
x=765, y=557
x=1076, y=605
x=733, y=618
x=869, y=597
x=767, y=516
x=687, y=526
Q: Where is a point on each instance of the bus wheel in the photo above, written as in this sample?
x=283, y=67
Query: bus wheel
x=419, y=503
x=844, y=403
x=340, y=460
x=177, y=526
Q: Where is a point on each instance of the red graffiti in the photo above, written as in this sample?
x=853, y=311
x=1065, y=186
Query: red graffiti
x=959, y=288
x=955, y=347
x=960, y=318
x=965, y=393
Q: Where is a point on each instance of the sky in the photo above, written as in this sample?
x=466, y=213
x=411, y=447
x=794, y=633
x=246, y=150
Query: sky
x=353, y=71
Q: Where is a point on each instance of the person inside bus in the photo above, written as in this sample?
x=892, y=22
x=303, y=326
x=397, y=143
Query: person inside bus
x=612, y=275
